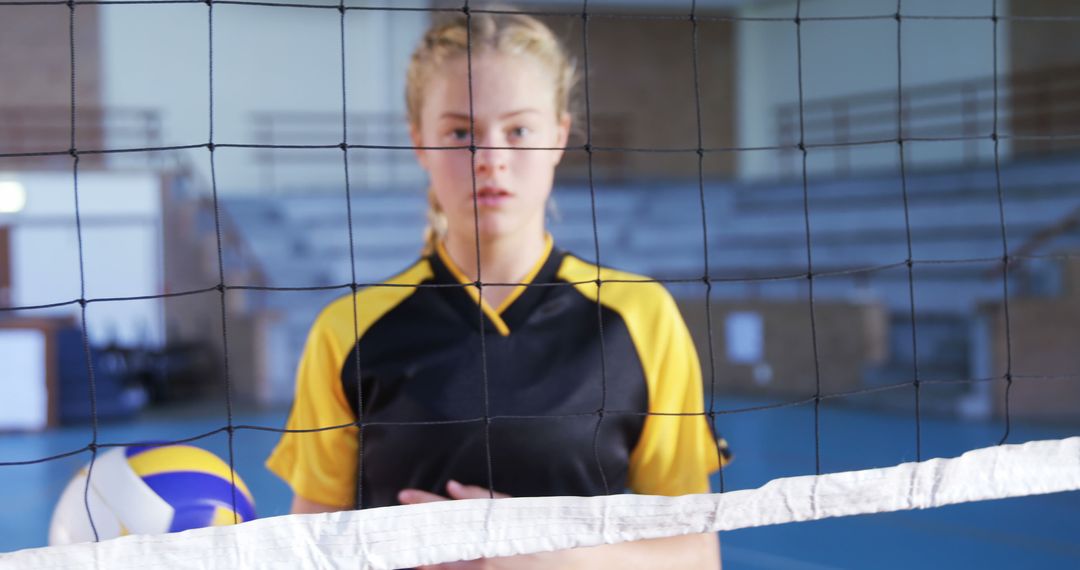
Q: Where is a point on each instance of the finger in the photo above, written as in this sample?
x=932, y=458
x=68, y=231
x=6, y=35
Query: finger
x=461, y=565
x=458, y=491
x=416, y=497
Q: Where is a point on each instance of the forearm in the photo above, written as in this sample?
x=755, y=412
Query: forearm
x=304, y=506
x=692, y=552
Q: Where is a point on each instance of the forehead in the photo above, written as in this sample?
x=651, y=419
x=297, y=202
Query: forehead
x=500, y=83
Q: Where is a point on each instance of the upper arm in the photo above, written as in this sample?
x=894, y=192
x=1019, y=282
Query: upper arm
x=677, y=449
x=320, y=465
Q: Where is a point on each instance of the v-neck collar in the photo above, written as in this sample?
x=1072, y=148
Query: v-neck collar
x=517, y=306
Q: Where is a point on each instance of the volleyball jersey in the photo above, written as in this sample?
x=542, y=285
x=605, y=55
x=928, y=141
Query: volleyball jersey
x=551, y=393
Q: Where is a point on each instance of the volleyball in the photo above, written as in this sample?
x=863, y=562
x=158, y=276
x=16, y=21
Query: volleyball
x=150, y=490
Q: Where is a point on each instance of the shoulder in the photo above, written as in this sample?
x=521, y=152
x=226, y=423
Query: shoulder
x=635, y=297
x=351, y=315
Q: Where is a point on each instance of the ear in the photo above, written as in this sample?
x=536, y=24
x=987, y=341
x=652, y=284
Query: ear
x=417, y=142
x=562, y=136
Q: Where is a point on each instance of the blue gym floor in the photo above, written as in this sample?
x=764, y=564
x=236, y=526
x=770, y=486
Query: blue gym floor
x=1031, y=532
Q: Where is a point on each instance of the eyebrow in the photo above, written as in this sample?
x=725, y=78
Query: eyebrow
x=465, y=116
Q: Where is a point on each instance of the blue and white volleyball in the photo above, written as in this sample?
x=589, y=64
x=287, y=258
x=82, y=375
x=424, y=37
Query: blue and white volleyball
x=150, y=490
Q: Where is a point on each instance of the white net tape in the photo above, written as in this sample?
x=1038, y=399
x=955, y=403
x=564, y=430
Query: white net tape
x=396, y=537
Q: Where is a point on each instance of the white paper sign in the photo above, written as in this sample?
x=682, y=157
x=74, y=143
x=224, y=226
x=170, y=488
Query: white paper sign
x=745, y=335
x=24, y=397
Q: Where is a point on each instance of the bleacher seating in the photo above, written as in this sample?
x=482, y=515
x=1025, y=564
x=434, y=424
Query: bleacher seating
x=754, y=230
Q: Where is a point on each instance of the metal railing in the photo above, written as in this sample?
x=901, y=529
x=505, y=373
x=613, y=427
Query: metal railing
x=392, y=166
x=40, y=136
x=1037, y=105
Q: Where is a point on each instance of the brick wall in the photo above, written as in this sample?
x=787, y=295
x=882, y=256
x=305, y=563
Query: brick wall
x=35, y=93
x=641, y=90
x=1053, y=46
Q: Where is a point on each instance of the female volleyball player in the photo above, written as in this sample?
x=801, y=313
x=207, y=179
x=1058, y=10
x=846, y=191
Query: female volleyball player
x=529, y=358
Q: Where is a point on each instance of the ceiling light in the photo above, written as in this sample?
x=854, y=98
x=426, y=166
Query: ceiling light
x=12, y=197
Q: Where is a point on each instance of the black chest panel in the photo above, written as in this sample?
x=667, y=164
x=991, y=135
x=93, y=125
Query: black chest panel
x=422, y=370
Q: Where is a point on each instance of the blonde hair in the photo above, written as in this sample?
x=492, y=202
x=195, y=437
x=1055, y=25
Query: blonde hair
x=461, y=34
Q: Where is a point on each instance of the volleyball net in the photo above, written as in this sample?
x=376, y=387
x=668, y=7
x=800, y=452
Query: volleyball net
x=405, y=536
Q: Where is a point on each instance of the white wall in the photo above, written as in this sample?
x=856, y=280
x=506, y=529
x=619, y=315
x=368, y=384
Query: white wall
x=842, y=58
x=265, y=59
x=121, y=231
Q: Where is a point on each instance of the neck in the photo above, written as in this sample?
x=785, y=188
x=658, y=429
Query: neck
x=505, y=259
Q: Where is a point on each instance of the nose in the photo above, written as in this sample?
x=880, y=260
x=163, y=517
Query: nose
x=492, y=156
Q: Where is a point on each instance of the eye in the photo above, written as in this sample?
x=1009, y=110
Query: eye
x=520, y=132
x=460, y=135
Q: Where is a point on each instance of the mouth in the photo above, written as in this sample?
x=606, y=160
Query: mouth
x=491, y=195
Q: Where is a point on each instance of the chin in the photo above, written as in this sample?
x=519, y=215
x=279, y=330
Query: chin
x=494, y=226
x=489, y=234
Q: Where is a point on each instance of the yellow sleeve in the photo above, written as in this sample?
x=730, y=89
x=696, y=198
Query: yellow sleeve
x=320, y=465
x=675, y=454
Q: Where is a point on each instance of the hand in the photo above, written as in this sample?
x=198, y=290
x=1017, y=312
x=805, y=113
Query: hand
x=456, y=490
